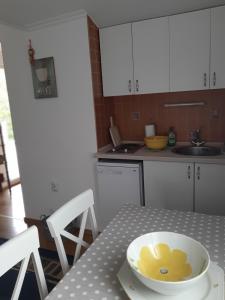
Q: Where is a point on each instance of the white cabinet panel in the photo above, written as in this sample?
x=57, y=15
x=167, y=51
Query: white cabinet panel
x=217, y=48
x=190, y=51
x=169, y=185
x=165, y=54
x=117, y=184
x=210, y=189
x=151, y=55
x=117, y=61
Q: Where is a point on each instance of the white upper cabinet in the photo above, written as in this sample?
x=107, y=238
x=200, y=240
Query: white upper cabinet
x=151, y=55
x=217, y=68
x=138, y=68
x=116, y=59
x=190, y=51
x=184, y=52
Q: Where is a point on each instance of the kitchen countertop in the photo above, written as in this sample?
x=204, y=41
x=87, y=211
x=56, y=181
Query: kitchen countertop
x=163, y=155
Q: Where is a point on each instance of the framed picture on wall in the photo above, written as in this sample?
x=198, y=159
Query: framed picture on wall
x=44, y=80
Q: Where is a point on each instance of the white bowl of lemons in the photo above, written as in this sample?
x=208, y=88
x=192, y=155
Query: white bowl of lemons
x=168, y=262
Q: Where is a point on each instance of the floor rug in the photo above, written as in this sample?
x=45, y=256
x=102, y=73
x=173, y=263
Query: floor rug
x=52, y=270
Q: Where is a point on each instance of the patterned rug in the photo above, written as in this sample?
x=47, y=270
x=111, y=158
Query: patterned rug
x=52, y=270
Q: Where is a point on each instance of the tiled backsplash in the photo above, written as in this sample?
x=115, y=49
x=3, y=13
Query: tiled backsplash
x=210, y=118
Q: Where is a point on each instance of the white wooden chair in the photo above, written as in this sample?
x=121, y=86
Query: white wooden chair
x=82, y=204
x=21, y=248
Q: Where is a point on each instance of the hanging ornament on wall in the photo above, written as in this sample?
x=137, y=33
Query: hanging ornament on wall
x=31, y=53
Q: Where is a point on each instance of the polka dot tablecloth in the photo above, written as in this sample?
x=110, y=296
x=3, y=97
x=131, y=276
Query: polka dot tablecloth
x=94, y=277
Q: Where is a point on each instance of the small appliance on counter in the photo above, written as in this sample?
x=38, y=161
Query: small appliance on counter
x=118, y=145
x=126, y=148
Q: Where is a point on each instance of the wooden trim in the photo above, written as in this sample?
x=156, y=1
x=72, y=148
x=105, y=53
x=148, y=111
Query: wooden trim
x=30, y=221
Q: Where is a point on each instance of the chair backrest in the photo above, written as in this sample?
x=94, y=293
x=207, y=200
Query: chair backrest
x=81, y=204
x=21, y=248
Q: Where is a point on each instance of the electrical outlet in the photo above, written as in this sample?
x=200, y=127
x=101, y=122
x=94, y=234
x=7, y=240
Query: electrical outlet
x=54, y=186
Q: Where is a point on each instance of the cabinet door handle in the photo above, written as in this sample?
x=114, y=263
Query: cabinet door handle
x=189, y=172
x=129, y=86
x=214, y=78
x=198, y=173
x=137, y=86
x=205, y=79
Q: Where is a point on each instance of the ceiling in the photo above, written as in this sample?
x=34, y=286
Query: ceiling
x=103, y=12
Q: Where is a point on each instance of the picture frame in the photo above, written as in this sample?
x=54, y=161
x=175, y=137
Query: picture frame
x=44, y=79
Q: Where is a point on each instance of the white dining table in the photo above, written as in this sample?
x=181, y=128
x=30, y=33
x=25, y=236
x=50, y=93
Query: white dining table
x=94, y=276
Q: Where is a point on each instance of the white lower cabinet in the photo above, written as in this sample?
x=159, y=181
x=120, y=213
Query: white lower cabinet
x=210, y=189
x=185, y=186
x=169, y=185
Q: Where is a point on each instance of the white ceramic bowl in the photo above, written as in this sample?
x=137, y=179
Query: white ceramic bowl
x=167, y=262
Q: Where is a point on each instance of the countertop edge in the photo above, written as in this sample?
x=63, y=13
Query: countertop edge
x=144, y=154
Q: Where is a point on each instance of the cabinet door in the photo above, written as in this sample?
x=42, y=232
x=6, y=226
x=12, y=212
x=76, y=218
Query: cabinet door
x=116, y=59
x=151, y=55
x=210, y=189
x=217, y=48
x=169, y=185
x=189, y=51
x=116, y=185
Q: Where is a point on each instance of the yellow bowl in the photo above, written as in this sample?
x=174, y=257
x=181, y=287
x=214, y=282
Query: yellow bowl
x=157, y=142
x=168, y=262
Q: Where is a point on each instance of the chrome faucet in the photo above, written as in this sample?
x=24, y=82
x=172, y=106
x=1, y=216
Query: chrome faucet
x=196, y=138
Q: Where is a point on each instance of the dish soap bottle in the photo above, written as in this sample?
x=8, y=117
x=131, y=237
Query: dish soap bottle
x=171, y=137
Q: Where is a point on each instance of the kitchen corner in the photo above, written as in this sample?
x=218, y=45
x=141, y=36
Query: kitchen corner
x=176, y=99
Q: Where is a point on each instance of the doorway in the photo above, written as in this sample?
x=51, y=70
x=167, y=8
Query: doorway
x=7, y=130
x=11, y=204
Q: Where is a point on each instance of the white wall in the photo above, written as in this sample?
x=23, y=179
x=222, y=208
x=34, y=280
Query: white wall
x=55, y=137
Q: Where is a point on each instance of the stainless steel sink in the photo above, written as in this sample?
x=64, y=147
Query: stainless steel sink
x=198, y=151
